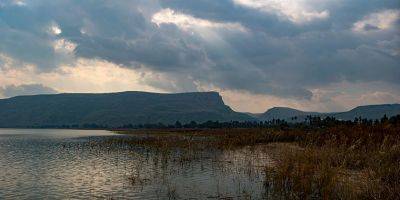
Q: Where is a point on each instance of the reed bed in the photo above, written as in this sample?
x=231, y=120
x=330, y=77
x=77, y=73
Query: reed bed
x=340, y=162
x=344, y=161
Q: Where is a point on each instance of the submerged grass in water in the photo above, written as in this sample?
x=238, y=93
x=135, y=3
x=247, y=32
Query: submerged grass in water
x=337, y=162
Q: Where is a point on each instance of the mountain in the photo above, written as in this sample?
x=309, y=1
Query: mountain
x=368, y=111
x=114, y=109
x=285, y=113
x=117, y=109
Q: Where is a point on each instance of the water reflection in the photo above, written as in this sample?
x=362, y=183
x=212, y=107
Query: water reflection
x=60, y=164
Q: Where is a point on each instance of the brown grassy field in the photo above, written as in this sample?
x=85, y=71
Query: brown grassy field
x=353, y=161
x=341, y=162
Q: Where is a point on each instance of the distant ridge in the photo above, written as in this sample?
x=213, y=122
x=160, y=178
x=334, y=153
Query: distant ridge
x=124, y=108
x=368, y=111
x=114, y=109
x=286, y=114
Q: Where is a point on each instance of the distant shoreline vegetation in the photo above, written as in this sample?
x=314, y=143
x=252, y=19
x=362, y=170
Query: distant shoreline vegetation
x=310, y=121
x=317, y=159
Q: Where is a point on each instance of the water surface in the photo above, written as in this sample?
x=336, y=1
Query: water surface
x=78, y=164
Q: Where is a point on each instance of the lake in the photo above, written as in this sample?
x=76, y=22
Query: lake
x=80, y=164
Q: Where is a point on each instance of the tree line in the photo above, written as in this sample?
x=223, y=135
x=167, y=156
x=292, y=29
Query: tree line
x=309, y=121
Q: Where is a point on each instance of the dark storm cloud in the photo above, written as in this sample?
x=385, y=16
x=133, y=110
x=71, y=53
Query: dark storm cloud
x=22, y=38
x=31, y=89
x=273, y=56
x=164, y=49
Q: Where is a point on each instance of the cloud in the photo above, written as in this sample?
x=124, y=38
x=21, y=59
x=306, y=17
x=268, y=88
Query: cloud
x=277, y=49
x=187, y=22
x=63, y=45
x=54, y=29
x=378, y=21
x=19, y=2
x=336, y=97
x=31, y=89
x=85, y=76
x=299, y=11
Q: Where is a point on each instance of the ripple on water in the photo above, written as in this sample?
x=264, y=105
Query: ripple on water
x=60, y=164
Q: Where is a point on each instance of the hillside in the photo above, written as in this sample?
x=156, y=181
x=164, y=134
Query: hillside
x=285, y=113
x=369, y=112
x=114, y=109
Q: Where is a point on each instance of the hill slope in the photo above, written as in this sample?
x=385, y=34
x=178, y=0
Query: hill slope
x=285, y=113
x=114, y=109
x=369, y=112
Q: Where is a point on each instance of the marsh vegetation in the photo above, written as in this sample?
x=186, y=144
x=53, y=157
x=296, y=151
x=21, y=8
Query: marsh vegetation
x=326, y=159
x=321, y=159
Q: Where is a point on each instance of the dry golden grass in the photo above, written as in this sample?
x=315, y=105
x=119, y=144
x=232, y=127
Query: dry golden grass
x=336, y=162
x=345, y=162
x=207, y=138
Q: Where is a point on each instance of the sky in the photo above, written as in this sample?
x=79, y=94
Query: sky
x=315, y=55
